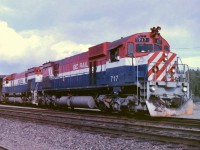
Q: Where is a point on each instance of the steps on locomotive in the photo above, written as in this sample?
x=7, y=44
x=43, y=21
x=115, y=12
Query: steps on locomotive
x=143, y=92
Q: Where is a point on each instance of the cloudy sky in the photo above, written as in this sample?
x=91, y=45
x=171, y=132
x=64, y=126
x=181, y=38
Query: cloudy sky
x=33, y=32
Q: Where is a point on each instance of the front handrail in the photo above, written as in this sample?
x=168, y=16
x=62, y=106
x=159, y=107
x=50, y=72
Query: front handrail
x=181, y=70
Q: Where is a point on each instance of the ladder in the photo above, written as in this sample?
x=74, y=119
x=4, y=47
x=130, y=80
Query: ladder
x=35, y=94
x=141, y=88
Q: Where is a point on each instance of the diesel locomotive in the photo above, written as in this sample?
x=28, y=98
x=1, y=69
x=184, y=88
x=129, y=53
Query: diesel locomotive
x=134, y=73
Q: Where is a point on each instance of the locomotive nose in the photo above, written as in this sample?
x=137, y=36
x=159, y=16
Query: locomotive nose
x=160, y=65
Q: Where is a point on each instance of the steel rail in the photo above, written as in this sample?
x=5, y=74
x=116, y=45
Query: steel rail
x=109, y=124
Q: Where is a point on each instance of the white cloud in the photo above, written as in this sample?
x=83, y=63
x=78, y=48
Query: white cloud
x=33, y=47
x=177, y=36
x=11, y=43
x=4, y=9
x=16, y=46
x=193, y=62
x=176, y=32
x=68, y=48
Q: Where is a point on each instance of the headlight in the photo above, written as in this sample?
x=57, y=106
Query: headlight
x=155, y=69
x=184, y=89
x=152, y=89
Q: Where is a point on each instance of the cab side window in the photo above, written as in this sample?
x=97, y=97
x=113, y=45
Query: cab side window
x=114, y=55
x=130, y=49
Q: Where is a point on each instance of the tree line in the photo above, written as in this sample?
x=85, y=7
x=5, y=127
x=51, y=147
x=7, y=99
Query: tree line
x=195, y=83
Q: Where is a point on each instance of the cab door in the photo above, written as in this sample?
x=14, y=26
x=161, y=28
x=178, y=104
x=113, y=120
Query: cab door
x=93, y=72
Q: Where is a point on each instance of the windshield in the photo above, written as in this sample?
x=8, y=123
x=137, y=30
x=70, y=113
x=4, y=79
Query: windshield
x=143, y=48
x=157, y=47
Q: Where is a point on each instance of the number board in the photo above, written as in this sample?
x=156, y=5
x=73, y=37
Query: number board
x=142, y=39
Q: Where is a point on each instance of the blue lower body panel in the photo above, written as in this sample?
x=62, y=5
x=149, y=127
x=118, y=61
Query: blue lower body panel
x=113, y=77
x=16, y=89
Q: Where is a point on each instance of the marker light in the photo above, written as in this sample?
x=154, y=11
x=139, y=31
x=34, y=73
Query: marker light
x=155, y=69
x=165, y=59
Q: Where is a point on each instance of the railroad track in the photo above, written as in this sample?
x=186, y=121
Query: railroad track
x=171, y=130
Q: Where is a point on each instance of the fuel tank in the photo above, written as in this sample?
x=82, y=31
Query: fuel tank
x=76, y=101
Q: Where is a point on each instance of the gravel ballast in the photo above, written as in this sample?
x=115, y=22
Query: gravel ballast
x=25, y=135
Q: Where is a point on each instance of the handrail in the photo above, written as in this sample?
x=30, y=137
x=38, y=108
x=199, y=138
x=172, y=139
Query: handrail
x=137, y=83
x=184, y=70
